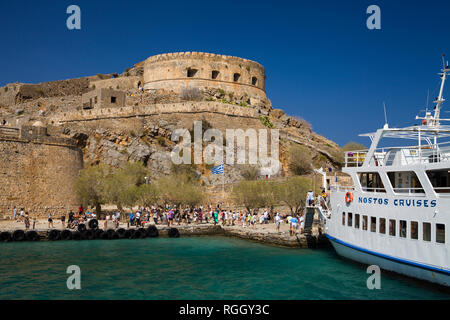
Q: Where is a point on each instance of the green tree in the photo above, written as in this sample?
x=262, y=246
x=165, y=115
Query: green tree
x=250, y=194
x=89, y=186
x=180, y=189
x=147, y=195
x=120, y=184
x=293, y=191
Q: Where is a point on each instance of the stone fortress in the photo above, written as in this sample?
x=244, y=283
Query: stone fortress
x=55, y=128
x=206, y=70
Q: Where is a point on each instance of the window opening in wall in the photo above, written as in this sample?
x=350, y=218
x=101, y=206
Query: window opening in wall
x=440, y=233
x=392, y=228
x=402, y=228
x=364, y=223
x=113, y=99
x=440, y=179
x=191, y=72
x=350, y=219
x=236, y=77
x=405, y=182
x=373, y=224
x=426, y=231
x=414, y=230
x=254, y=81
x=382, y=225
x=214, y=74
x=343, y=218
x=357, y=220
x=371, y=182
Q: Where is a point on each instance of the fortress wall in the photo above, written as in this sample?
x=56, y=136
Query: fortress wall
x=174, y=71
x=122, y=83
x=142, y=111
x=37, y=176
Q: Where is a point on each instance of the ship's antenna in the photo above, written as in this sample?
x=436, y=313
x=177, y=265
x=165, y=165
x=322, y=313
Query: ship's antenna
x=428, y=100
x=385, y=116
x=440, y=99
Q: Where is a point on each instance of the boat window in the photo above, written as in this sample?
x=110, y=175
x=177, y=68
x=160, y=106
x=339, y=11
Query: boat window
x=364, y=223
x=357, y=220
x=402, y=228
x=426, y=231
x=383, y=225
x=440, y=179
x=371, y=182
x=343, y=218
x=373, y=224
x=440, y=233
x=414, y=230
x=405, y=182
x=392, y=227
x=349, y=219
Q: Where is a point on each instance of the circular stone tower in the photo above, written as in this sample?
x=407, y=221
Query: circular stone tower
x=175, y=71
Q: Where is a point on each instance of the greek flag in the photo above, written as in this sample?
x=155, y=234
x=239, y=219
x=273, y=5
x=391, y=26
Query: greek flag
x=217, y=169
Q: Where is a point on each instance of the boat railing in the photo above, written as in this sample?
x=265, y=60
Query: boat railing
x=374, y=190
x=409, y=191
x=342, y=188
x=400, y=155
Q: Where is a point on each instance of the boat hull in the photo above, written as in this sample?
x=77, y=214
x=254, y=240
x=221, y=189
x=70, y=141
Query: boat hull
x=371, y=258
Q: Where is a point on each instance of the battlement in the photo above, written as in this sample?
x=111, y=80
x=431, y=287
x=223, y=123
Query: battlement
x=201, y=55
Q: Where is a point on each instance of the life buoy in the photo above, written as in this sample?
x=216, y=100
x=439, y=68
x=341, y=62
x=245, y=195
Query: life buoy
x=348, y=197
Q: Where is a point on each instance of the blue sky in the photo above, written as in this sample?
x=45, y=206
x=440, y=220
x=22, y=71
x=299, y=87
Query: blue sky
x=321, y=61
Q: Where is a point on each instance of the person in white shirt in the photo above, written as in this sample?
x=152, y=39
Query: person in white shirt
x=302, y=223
x=278, y=221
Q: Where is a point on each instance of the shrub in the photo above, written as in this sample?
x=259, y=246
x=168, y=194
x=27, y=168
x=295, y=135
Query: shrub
x=266, y=121
x=6, y=89
x=300, y=160
x=161, y=141
x=250, y=173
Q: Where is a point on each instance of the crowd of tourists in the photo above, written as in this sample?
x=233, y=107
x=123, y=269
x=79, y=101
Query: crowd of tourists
x=171, y=215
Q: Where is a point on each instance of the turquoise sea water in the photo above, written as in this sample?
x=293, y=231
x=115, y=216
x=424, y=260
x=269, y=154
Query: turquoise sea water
x=191, y=268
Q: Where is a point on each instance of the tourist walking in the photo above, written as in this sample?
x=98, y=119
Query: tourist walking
x=293, y=225
x=310, y=198
x=277, y=221
x=302, y=223
x=15, y=213
x=63, y=220
x=50, y=221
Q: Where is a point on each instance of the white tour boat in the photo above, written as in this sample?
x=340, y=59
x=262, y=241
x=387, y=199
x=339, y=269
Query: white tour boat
x=397, y=213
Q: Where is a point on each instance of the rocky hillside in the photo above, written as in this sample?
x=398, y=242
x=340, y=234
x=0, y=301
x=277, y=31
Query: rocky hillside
x=147, y=138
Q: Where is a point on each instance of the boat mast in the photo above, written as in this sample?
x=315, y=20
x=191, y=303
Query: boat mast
x=440, y=99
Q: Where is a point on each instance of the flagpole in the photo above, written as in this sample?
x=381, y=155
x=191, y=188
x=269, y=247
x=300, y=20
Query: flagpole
x=223, y=184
